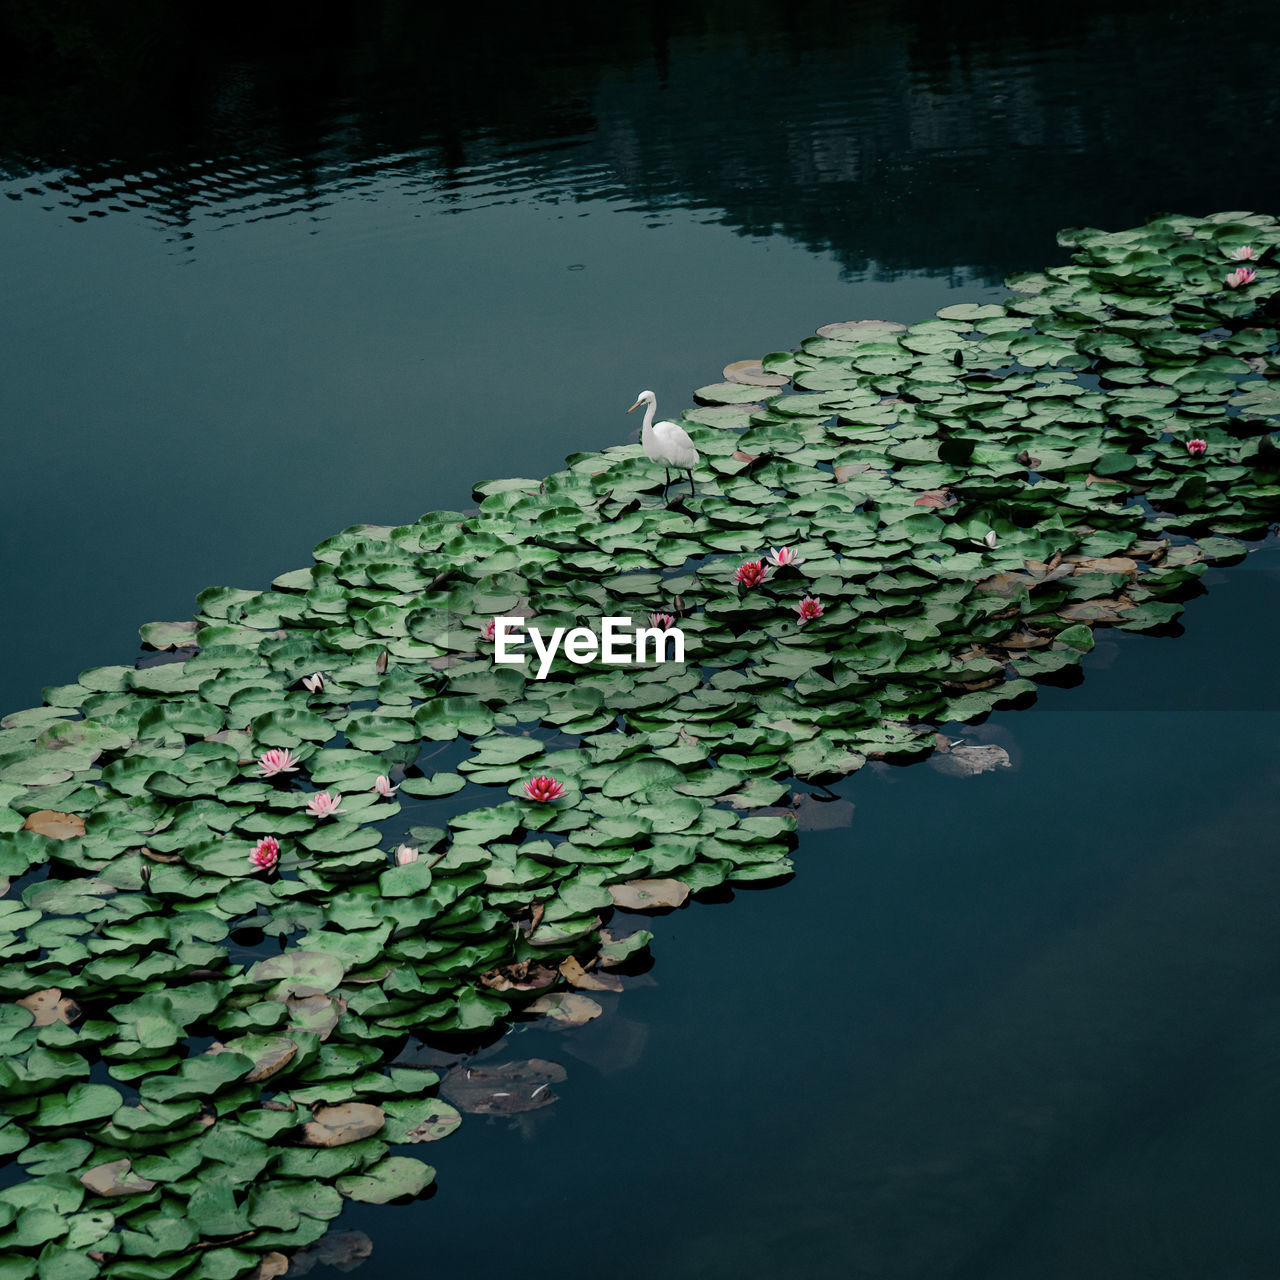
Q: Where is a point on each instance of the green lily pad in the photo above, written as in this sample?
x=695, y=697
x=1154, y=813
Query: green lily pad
x=391, y=1179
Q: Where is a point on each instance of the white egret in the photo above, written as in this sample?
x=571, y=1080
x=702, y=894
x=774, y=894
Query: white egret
x=665, y=443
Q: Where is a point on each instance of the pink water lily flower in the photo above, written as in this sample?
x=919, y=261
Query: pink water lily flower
x=543, y=790
x=277, y=760
x=780, y=557
x=324, y=804
x=266, y=854
x=383, y=787
x=809, y=608
x=313, y=683
x=1196, y=448
x=405, y=854
x=490, y=630
x=1241, y=276
x=663, y=620
x=1243, y=253
x=751, y=573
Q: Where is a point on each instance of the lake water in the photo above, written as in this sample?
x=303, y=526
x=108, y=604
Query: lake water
x=268, y=277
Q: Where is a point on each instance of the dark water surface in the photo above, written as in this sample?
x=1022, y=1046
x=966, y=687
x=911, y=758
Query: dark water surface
x=1021, y=1024
x=268, y=275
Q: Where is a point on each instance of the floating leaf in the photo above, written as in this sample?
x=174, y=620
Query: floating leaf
x=566, y=1010
x=393, y=1178
x=115, y=1178
x=615, y=951
x=78, y=1107
x=299, y=973
x=55, y=825
x=50, y=1006
x=348, y=1122
x=751, y=373
x=168, y=635
x=419, y=1120
x=649, y=895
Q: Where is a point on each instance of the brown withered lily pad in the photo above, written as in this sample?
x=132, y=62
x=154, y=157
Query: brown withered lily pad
x=1023, y=640
x=576, y=976
x=566, y=1009
x=317, y=1014
x=1153, y=550
x=152, y=856
x=272, y=1265
x=55, y=825
x=1104, y=564
x=972, y=686
x=346, y=1122
x=115, y=1178
x=648, y=895
x=751, y=373
x=270, y=1054
x=526, y=975
x=503, y=1088
x=1097, y=610
x=1005, y=584
x=847, y=470
x=50, y=1006
x=936, y=498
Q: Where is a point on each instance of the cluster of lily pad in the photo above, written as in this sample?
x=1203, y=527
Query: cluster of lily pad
x=951, y=507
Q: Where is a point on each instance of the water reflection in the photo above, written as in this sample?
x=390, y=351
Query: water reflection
x=844, y=127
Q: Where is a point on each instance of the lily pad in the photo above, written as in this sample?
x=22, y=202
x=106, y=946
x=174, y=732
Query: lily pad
x=347, y=1122
x=393, y=1178
x=115, y=1178
x=649, y=895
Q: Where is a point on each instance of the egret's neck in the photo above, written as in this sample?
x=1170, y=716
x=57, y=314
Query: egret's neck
x=649, y=410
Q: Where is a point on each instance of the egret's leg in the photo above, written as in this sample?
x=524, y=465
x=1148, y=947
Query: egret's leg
x=667, y=486
x=692, y=491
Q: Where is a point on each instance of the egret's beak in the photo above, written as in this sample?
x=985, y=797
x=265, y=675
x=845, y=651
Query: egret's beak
x=637, y=404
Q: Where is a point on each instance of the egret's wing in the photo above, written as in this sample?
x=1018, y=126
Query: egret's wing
x=676, y=444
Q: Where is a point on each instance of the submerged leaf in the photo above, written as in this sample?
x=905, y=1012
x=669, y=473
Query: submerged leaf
x=968, y=759
x=505, y=1088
